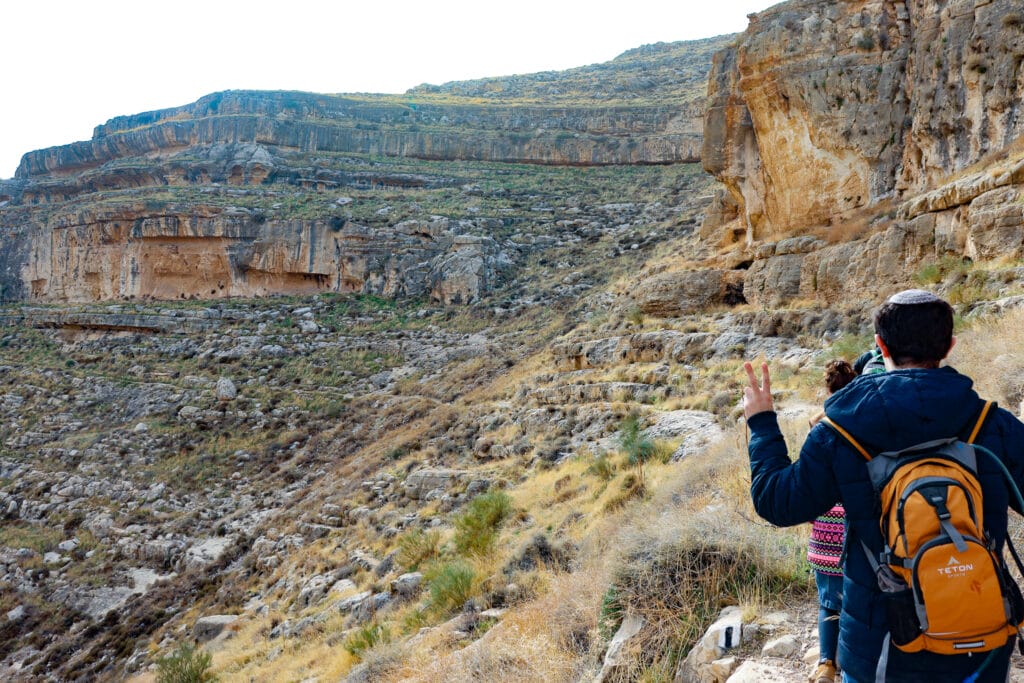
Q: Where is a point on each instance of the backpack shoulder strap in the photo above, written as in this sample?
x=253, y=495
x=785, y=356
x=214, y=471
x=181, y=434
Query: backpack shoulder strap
x=846, y=435
x=985, y=410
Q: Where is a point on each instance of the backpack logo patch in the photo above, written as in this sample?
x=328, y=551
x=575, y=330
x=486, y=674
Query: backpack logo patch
x=955, y=568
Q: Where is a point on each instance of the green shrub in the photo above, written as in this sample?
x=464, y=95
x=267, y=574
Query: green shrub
x=417, y=546
x=602, y=467
x=366, y=637
x=610, y=618
x=637, y=447
x=451, y=585
x=476, y=529
x=185, y=665
x=929, y=274
x=851, y=345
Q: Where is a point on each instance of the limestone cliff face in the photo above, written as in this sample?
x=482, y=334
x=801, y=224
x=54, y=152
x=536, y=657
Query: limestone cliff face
x=825, y=107
x=323, y=123
x=212, y=253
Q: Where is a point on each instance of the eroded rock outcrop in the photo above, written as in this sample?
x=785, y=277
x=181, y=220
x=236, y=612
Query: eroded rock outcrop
x=209, y=252
x=825, y=107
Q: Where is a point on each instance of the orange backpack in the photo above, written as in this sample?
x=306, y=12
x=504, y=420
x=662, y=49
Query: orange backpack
x=948, y=590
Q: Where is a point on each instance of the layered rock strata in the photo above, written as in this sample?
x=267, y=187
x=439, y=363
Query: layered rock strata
x=824, y=107
x=311, y=123
x=209, y=252
x=133, y=212
x=979, y=217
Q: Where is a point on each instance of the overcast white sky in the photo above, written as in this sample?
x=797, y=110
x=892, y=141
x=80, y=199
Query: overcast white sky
x=69, y=65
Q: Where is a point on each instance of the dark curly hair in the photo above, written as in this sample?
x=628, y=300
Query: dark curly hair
x=838, y=373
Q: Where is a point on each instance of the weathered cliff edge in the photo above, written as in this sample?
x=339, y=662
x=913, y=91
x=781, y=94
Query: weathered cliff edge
x=112, y=217
x=582, y=135
x=899, y=116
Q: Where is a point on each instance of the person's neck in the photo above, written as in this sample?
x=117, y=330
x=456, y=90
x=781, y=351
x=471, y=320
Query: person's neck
x=915, y=366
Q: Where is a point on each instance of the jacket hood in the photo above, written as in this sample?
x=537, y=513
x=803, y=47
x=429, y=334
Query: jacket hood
x=894, y=410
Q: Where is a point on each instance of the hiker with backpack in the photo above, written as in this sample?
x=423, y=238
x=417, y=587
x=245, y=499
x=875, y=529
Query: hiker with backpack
x=926, y=471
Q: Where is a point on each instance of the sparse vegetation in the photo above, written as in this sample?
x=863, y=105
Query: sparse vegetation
x=451, y=585
x=365, y=638
x=476, y=530
x=637, y=447
x=186, y=665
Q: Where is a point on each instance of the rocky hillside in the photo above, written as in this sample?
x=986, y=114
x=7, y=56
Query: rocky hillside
x=346, y=397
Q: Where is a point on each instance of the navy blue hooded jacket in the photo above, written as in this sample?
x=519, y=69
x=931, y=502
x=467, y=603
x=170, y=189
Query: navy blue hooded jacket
x=884, y=412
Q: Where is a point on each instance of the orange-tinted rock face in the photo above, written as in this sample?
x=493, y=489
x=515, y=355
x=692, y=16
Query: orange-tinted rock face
x=115, y=256
x=828, y=106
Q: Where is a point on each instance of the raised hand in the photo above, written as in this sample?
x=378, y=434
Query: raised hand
x=757, y=398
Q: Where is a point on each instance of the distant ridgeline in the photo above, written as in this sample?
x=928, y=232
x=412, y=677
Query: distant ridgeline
x=247, y=193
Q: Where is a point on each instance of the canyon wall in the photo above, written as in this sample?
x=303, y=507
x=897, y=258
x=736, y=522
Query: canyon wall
x=245, y=193
x=322, y=123
x=824, y=108
x=212, y=253
x=862, y=141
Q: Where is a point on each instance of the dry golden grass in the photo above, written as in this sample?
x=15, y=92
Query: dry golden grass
x=545, y=640
x=991, y=351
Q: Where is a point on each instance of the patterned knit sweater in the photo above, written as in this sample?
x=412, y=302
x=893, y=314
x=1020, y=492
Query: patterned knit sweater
x=826, y=545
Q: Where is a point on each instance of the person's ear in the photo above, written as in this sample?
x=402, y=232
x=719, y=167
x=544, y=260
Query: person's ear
x=887, y=360
x=952, y=343
x=882, y=347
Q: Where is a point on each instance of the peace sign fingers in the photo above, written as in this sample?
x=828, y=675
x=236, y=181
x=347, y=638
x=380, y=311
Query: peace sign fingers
x=757, y=396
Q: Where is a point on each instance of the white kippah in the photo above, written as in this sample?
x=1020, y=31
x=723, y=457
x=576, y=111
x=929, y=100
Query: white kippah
x=913, y=296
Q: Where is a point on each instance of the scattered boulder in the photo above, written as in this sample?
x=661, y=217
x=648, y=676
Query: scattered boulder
x=726, y=633
x=207, y=551
x=313, y=591
x=350, y=603
x=422, y=481
x=208, y=628
x=407, y=585
x=682, y=292
x=226, y=390
x=783, y=646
